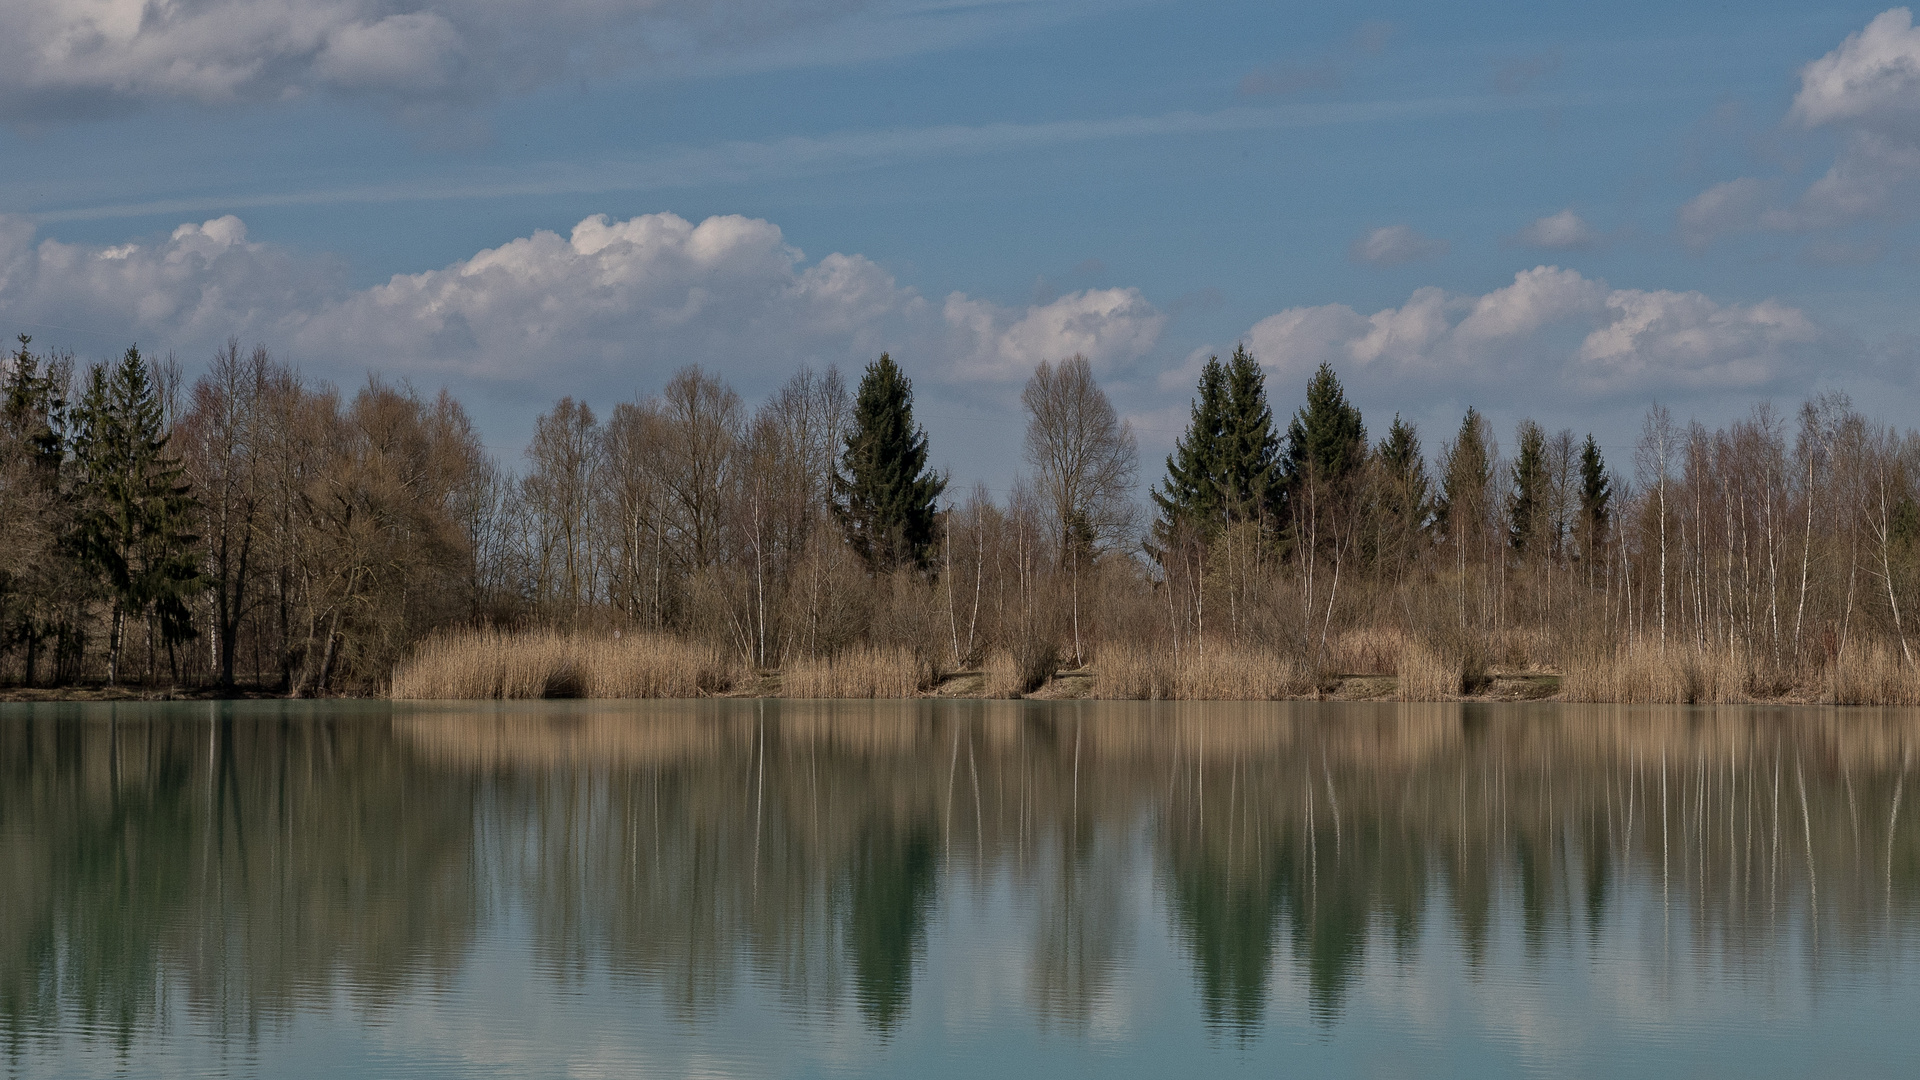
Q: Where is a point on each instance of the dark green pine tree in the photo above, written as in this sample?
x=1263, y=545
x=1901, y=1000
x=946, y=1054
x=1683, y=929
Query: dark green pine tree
x=1466, y=468
x=883, y=492
x=1527, y=502
x=32, y=412
x=1404, y=502
x=1327, y=440
x=136, y=511
x=1250, y=473
x=1189, y=496
x=1596, y=492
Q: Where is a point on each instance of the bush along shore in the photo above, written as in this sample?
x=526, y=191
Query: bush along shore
x=254, y=532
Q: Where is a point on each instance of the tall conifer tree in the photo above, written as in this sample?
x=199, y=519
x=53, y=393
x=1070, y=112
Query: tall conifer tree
x=1403, y=501
x=1250, y=475
x=1189, y=496
x=136, y=506
x=1466, y=468
x=37, y=571
x=1327, y=439
x=883, y=492
x=1527, y=502
x=1596, y=492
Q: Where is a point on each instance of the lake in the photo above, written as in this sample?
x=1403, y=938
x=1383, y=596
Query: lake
x=957, y=888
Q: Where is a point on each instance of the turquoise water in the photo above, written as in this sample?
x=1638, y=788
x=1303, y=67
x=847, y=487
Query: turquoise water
x=741, y=888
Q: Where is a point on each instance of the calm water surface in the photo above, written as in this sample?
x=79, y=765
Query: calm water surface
x=950, y=889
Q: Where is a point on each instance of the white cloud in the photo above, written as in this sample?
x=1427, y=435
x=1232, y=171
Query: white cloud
x=1104, y=325
x=77, y=57
x=1551, y=330
x=1873, y=76
x=1393, y=245
x=199, y=284
x=611, y=307
x=1564, y=231
x=1868, y=90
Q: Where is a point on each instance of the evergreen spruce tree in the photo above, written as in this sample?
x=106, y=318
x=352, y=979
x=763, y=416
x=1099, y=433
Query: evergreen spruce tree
x=1403, y=504
x=32, y=412
x=1326, y=446
x=1327, y=440
x=36, y=571
x=883, y=493
x=1250, y=471
x=1466, y=468
x=136, y=508
x=1190, y=494
x=1527, y=501
x=1596, y=491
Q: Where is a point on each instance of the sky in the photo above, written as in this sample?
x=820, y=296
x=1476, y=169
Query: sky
x=1558, y=211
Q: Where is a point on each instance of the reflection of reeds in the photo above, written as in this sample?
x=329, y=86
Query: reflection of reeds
x=859, y=672
x=549, y=664
x=1219, y=674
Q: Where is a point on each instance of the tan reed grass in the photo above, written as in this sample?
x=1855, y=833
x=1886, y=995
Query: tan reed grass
x=544, y=663
x=1000, y=675
x=1645, y=673
x=1873, y=675
x=859, y=672
x=1220, y=673
x=1124, y=672
x=1425, y=675
x=1366, y=651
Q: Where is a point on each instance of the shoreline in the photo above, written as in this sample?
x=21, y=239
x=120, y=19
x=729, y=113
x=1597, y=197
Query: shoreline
x=1069, y=685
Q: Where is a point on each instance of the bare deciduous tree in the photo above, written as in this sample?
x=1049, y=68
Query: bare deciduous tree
x=1084, y=460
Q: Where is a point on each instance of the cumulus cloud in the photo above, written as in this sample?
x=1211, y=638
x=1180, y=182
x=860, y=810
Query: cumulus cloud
x=1867, y=90
x=1564, y=231
x=613, y=303
x=1550, y=328
x=1394, y=245
x=1107, y=326
x=201, y=283
x=65, y=58
x=1874, y=76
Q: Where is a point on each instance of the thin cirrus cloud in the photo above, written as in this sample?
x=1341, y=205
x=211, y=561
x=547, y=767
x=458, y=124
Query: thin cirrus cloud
x=1394, y=245
x=736, y=161
x=1327, y=72
x=1551, y=331
x=611, y=303
x=1867, y=90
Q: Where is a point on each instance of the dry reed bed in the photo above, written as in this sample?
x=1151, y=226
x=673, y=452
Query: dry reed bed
x=1001, y=675
x=1221, y=673
x=487, y=665
x=860, y=672
x=1424, y=675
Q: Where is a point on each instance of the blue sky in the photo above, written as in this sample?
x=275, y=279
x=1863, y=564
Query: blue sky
x=1551, y=210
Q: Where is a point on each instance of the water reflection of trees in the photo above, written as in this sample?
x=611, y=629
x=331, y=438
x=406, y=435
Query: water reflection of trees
x=242, y=866
x=255, y=860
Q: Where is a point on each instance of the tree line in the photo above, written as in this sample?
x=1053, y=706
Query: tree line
x=257, y=527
